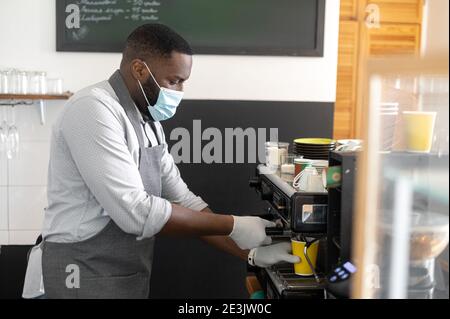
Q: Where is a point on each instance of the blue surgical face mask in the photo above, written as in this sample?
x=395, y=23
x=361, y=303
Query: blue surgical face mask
x=167, y=102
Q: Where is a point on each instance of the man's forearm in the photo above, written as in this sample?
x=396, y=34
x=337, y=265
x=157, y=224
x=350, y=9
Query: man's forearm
x=210, y=227
x=186, y=222
x=227, y=245
x=224, y=243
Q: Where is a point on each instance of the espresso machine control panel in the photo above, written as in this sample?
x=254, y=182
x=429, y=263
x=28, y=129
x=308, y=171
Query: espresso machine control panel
x=338, y=281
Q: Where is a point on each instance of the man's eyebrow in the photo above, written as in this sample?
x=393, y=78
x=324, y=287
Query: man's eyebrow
x=178, y=77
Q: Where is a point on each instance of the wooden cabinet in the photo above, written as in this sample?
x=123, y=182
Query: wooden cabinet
x=398, y=33
x=349, y=9
x=399, y=11
x=346, y=78
x=394, y=39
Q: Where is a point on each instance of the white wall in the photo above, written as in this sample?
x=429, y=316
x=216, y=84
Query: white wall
x=27, y=41
x=435, y=27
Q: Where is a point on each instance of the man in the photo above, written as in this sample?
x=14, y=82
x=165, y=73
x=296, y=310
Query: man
x=113, y=185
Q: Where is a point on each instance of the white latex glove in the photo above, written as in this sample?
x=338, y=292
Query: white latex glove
x=250, y=232
x=269, y=255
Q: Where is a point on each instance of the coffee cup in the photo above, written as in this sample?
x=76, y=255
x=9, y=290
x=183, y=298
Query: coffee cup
x=332, y=177
x=301, y=164
x=298, y=249
x=419, y=129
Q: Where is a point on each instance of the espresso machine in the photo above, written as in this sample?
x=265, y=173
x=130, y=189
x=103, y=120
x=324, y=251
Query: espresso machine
x=299, y=215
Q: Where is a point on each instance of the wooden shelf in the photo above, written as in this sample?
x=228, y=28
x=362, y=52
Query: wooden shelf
x=30, y=99
x=64, y=96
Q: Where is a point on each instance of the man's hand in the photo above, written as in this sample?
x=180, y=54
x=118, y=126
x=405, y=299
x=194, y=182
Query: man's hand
x=270, y=255
x=250, y=232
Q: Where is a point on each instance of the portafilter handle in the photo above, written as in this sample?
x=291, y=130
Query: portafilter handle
x=274, y=231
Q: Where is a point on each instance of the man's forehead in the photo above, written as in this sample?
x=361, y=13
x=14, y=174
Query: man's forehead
x=178, y=65
x=176, y=61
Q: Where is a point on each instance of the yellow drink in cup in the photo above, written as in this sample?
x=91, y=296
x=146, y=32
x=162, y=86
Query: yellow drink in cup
x=303, y=268
x=419, y=129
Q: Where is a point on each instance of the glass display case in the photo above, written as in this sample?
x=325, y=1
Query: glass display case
x=401, y=224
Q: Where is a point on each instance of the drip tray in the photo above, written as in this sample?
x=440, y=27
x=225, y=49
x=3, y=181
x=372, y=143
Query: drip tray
x=284, y=278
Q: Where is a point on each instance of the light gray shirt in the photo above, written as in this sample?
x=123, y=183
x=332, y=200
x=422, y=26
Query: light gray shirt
x=94, y=172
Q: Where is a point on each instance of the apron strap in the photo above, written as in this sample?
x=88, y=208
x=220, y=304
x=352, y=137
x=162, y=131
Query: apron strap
x=119, y=87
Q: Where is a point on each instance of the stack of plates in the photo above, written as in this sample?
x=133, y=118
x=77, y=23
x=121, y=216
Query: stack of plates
x=314, y=148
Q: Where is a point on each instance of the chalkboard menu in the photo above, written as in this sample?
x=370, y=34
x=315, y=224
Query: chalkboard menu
x=253, y=27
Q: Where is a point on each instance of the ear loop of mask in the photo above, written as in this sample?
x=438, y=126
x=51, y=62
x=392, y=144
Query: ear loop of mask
x=143, y=92
x=142, y=88
x=151, y=74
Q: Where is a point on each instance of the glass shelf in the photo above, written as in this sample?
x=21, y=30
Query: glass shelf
x=402, y=192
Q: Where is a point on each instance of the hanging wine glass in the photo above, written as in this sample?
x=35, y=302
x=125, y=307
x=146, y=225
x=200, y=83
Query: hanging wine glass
x=12, y=147
x=3, y=130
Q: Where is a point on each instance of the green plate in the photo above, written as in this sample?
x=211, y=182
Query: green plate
x=307, y=149
x=314, y=141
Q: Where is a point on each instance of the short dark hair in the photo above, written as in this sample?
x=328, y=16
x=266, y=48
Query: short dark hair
x=154, y=40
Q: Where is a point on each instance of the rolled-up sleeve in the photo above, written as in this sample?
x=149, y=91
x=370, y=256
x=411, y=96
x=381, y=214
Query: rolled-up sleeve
x=96, y=139
x=173, y=187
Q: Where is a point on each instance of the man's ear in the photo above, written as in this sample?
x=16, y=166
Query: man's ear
x=138, y=70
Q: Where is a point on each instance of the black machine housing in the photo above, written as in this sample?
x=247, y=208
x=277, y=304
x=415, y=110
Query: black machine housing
x=304, y=213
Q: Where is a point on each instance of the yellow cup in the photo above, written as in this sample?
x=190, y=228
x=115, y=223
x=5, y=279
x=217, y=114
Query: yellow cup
x=303, y=268
x=419, y=128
